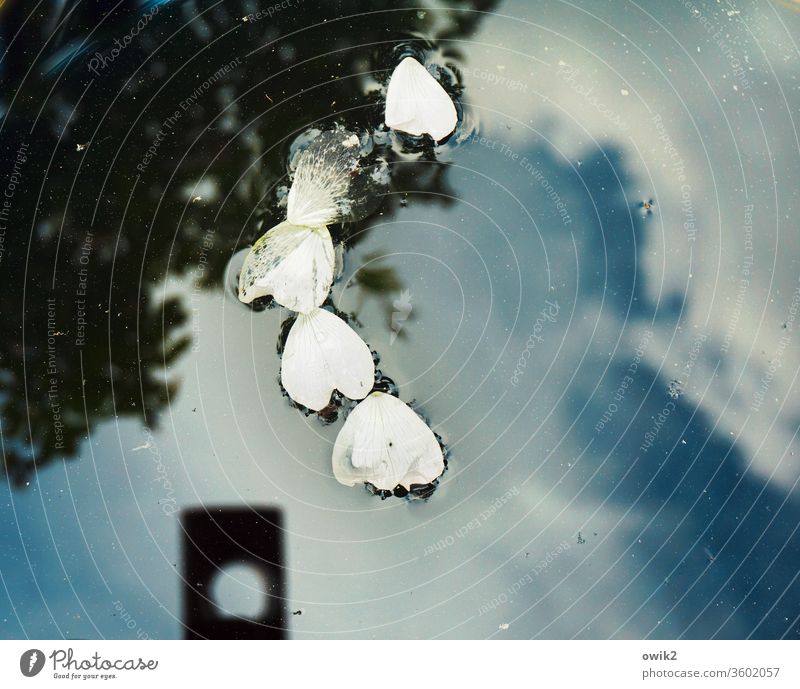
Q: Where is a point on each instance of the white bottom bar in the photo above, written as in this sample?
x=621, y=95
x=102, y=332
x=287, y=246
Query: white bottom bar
x=354, y=664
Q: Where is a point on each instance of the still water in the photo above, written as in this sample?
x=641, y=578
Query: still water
x=589, y=291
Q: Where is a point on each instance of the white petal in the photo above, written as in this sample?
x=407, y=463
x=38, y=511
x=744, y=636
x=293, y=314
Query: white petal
x=323, y=353
x=385, y=443
x=417, y=104
x=294, y=264
x=323, y=172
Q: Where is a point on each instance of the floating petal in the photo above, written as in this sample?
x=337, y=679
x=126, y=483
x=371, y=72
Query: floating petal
x=292, y=263
x=323, y=354
x=332, y=182
x=385, y=443
x=417, y=104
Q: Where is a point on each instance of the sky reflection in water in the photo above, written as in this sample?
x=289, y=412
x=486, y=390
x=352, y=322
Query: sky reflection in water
x=595, y=274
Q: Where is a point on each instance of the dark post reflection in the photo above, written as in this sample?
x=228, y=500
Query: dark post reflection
x=216, y=537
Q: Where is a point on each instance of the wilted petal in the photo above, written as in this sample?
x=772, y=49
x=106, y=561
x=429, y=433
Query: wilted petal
x=331, y=182
x=323, y=354
x=385, y=443
x=292, y=263
x=417, y=104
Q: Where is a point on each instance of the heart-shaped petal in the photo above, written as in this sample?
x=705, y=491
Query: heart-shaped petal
x=323, y=354
x=292, y=263
x=385, y=443
x=417, y=104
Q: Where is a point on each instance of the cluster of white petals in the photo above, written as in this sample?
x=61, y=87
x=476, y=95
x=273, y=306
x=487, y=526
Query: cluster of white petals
x=383, y=441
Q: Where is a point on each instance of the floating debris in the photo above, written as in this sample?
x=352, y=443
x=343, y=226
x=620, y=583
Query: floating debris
x=401, y=310
x=675, y=389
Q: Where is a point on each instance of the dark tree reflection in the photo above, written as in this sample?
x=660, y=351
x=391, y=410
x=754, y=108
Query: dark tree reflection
x=162, y=159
